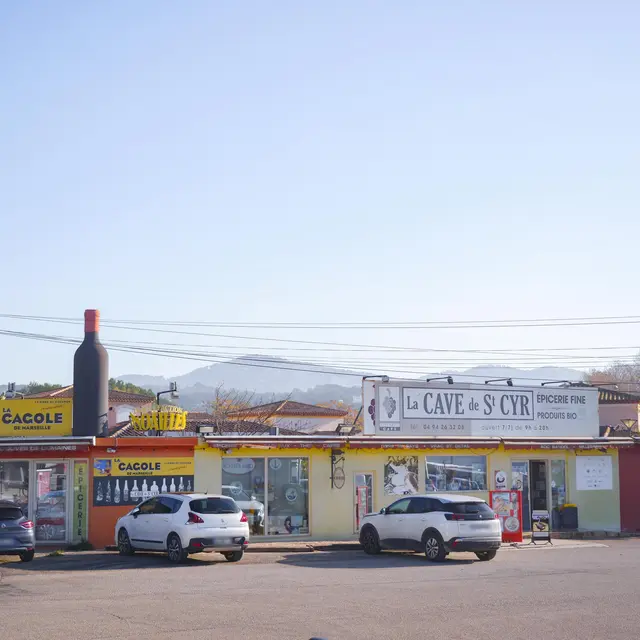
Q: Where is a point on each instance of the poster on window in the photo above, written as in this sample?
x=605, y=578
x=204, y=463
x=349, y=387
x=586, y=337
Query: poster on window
x=128, y=481
x=401, y=475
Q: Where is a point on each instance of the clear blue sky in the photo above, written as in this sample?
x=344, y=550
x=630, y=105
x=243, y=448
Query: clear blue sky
x=318, y=161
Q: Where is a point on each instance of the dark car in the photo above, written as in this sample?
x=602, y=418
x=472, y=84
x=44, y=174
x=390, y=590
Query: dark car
x=17, y=533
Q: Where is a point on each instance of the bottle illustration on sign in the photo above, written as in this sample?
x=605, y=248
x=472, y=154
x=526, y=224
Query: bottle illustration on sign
x=188, y=486
x=108, y=496
x=135, y=492
x=181, y=485
x=145, y=489
x=164, y=485
x=100, y=493
x=172, y=488
x=126, y=491
x=116, y=493
x=154, y=489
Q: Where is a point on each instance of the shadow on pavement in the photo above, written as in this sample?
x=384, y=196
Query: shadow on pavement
x=360, y=560
x=108, y=561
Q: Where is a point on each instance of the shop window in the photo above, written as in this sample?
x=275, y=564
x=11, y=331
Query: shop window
x=278, y=487
x=243, y=480
x=456, y=473
x=14, y=483
x=288, y=496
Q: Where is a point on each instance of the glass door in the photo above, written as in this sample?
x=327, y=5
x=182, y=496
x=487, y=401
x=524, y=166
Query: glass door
x=520, y=482
x=51, y=482
x=363, y=498
x=14, y=483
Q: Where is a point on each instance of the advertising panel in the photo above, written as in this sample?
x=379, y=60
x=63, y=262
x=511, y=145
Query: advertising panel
x=540, y=528
x=507, y=505
x=424, y=409
x=20, y=417
x=594, y=473
x=128, y=481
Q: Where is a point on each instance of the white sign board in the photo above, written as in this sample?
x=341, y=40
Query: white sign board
x=594, y=473
x=420, y=408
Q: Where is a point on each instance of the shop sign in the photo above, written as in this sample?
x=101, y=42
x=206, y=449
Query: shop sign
x=167, y=419
x=80, y=501
x=238, y=466
x=540, y=528
x=128, y=481
x=500, y=479
x=507, y=505
x=594, y=473
x=32, y=417
x=462, y=409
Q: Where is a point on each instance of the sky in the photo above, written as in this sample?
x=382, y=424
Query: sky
x=317, y=162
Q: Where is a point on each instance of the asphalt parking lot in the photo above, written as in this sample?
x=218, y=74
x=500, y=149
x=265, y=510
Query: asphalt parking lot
x=583, y=591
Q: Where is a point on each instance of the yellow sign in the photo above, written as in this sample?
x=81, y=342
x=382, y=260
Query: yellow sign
x=36, y=417
x=132, y=467
x=167, y=419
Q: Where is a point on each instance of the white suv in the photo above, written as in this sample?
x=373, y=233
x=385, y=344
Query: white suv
x=181, y=524
x=435, y=524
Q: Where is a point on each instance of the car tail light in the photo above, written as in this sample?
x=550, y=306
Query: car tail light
x=194, y=518
x=496, y=516
x=27, y=524
x=454, y=516
x=243, y=517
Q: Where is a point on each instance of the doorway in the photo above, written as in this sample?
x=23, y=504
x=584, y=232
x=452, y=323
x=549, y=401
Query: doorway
x=539, y=495
x=363, y=497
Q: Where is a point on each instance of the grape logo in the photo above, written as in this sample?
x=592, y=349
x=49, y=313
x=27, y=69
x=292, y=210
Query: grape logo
x=389, y=404
x=372, y=411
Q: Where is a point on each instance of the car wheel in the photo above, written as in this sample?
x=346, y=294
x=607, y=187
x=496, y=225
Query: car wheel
x=124, y=544
x=233, y=556
x=485, y=556
x=27, y=556
x=434, y=548
x=174, y=549
x=370, y=542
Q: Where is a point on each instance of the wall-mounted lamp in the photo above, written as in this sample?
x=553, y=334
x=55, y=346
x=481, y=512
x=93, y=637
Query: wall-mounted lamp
x=383, y=379
x=509, y=381
x=449, y=379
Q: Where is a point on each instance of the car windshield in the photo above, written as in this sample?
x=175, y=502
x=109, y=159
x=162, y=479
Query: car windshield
x=468, y=507
x=10, y=513
x=214, y=506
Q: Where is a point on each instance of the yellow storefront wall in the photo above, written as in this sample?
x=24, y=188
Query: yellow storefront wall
x=332, y=511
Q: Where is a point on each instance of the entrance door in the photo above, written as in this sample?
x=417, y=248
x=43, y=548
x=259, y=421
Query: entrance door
x=539, y=495
x=520, y=482
x=51, y=501
x=363, y=498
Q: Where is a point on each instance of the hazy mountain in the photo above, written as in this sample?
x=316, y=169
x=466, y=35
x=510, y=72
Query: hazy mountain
x=269, y=378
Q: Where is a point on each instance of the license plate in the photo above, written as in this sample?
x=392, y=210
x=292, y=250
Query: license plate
x=479, y=526
x=222, y=541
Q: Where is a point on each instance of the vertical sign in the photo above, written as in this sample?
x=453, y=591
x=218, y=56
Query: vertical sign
x=80, y=500
x=362, y=499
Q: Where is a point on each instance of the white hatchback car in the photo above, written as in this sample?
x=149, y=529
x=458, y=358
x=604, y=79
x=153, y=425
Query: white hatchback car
x=435, y=524
x=180, y=524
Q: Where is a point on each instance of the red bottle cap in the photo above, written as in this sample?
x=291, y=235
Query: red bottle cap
x=91, y=321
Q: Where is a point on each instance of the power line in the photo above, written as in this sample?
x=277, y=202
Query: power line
x=454, y=324
x=261, y=364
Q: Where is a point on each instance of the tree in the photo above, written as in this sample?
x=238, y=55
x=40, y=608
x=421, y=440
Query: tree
x=227, y=402
x=119, y=385
x=626, y=375
x=39, y=387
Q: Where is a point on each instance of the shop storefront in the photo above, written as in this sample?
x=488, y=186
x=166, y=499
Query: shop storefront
x=126, y=471
x=320, y=487
x=48, y=478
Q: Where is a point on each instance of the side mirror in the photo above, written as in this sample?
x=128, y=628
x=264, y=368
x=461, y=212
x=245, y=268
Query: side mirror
x=383, y=511
x=135, y=513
